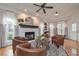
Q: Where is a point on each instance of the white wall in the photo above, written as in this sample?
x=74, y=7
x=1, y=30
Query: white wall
x=1, y=16
x=1, y=28
x=36, y=21
x=2, y=36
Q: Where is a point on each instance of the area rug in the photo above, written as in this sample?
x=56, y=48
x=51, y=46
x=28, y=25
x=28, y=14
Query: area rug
x=53, y=50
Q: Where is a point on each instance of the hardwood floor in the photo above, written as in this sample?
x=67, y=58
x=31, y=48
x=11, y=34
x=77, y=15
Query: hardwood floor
x=70, y=45
x=7, y=51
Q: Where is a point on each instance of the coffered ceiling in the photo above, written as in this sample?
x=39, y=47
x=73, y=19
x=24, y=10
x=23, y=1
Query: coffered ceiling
x=65, y=10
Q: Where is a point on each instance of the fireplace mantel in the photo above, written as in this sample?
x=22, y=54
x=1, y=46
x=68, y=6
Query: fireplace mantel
x=28, y=26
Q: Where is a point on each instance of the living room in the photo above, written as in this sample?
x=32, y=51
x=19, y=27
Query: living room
x=29, y=21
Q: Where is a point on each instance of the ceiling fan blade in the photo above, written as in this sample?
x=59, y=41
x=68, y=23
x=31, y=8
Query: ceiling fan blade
x=37, y=5
x=44, y=11
x=49, y=7
x=43, y=4
x=38, y=10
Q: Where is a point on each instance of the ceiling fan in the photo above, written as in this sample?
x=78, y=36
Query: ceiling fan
x=43, y=7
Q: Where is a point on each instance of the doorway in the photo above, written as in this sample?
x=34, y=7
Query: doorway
x=9, y=22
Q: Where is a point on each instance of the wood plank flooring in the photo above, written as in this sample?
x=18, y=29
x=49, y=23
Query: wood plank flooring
x=6, y=51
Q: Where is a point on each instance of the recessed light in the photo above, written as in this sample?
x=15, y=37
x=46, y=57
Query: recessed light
x=56, y=14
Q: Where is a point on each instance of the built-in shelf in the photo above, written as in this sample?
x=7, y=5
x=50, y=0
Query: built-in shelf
x=28, y=26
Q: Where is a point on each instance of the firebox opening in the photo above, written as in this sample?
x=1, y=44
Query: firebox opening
x=30, y=35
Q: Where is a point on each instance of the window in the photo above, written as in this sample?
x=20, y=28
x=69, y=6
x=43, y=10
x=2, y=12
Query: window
x=74, y=27
x=51, y=29
x=61, y=29
x=41, y=27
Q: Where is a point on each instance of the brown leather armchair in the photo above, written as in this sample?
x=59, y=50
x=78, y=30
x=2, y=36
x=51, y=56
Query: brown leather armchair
x=58, y=40
x=26, y=50
x=16, y=41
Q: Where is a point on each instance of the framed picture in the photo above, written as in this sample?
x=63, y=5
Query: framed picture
x=20, y=20
x=29, y=21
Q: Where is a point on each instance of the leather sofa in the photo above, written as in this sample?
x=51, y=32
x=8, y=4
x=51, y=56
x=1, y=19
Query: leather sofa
x=27, y=50
x=18, y=40
x=58, y=40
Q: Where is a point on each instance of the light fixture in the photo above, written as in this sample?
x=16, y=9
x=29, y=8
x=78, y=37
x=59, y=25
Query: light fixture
x=22, y=16
x=25, y=10
x=56, y=13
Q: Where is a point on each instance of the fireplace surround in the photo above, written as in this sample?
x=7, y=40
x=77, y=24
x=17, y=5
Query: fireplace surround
x=28, y=31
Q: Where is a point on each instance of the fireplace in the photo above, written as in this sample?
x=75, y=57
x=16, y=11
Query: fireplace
x=30, y=35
